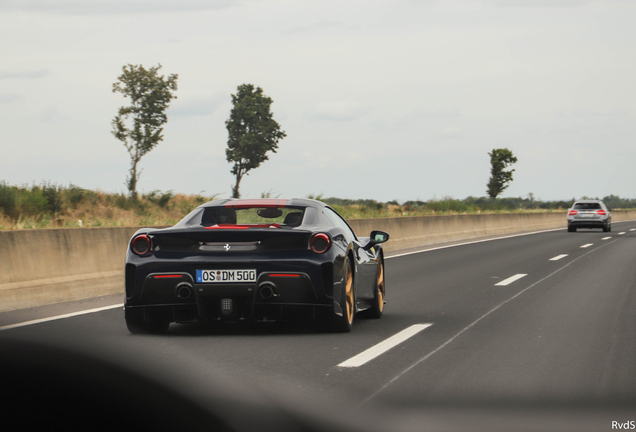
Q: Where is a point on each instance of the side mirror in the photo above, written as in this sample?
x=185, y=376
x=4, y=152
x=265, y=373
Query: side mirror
x=376, y=237
x=379, y=236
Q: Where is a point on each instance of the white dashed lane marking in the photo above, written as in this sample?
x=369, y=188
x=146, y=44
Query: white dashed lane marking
x=606, y=238
x=621, y=233
x=558, y=257
x=586, y=245
x=511, y=279
x=379, y=349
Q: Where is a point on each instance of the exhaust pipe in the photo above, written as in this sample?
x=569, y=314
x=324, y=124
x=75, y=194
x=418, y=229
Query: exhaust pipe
x=184, y=291
x=267, y=290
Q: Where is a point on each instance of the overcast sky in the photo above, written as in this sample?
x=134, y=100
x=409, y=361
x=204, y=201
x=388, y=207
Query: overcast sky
x=384, y=100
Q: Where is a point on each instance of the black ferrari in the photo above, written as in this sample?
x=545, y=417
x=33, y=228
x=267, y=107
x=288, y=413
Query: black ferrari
x=256, y=260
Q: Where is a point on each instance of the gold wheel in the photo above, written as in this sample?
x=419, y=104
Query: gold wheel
x=379, y=293
x=350, y=298
x=380, y=286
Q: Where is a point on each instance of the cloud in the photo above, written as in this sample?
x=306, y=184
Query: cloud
x=319, y=26
x=541, y=3
x=344, y=110
x=9, y=97
x=450, y=132
x=36, y=74
x=112, y=7
x=50, y=114
x=435, y=114
x=197, y=107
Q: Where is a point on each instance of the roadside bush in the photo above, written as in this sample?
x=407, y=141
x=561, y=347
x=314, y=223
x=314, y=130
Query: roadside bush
x=75, y=195
x=8, y=198
x=159, y=198
x=123, y=202
x=53, y=197
x=448, y=206
x=32, y=202
x=613, y=201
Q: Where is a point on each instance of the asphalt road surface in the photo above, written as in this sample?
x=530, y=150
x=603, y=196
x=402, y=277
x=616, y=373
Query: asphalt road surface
x=532, y=325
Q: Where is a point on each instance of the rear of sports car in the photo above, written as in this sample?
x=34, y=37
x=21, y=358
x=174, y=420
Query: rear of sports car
x=229, y=272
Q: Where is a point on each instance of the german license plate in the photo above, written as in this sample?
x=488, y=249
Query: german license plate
x=225, y=276
x=588, y=215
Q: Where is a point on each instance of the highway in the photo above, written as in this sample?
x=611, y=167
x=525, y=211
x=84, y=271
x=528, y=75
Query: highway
x=545, y=319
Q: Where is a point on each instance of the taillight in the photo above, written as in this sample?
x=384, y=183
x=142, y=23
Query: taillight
x=601, y=212
x=572, y=212
x=141, y=245
x=320, y=243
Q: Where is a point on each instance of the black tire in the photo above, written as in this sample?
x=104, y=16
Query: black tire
x=609, y=227
x=605, y=228
x=343, y=323
x=137, y=325
x=377, y=306
x=571, y=229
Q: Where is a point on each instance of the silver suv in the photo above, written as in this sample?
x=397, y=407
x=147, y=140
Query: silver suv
x=589, y=214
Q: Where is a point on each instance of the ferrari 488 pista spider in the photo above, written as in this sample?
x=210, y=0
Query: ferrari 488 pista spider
x=255, y=260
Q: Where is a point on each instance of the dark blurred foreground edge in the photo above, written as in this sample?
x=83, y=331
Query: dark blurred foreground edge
x=48, y=387
x=52, y=388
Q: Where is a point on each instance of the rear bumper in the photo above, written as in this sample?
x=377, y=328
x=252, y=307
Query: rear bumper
x=170, y=292
x=588, y=223
x=236, y=311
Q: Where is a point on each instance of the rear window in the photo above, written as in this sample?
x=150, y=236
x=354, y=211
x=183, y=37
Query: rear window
x=587, y=206
x=288, y=216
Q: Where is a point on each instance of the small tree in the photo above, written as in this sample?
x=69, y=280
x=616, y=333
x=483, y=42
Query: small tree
x=139, y=126
x=252, y=132
x=500, y=159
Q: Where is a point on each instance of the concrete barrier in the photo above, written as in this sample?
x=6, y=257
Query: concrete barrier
x=407, y=232
x=46, y=266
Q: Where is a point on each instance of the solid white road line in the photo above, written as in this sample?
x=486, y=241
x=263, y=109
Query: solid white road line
x=384, y=346
x=586, y=245
x=68, y=315
x=558, y=257
x=511, y=279
x=606, y=238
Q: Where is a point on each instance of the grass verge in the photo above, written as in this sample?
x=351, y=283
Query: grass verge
x=49, y=205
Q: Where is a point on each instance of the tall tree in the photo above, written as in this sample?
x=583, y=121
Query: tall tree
x=139, y=125
x=252, y=132
x=500, y=159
